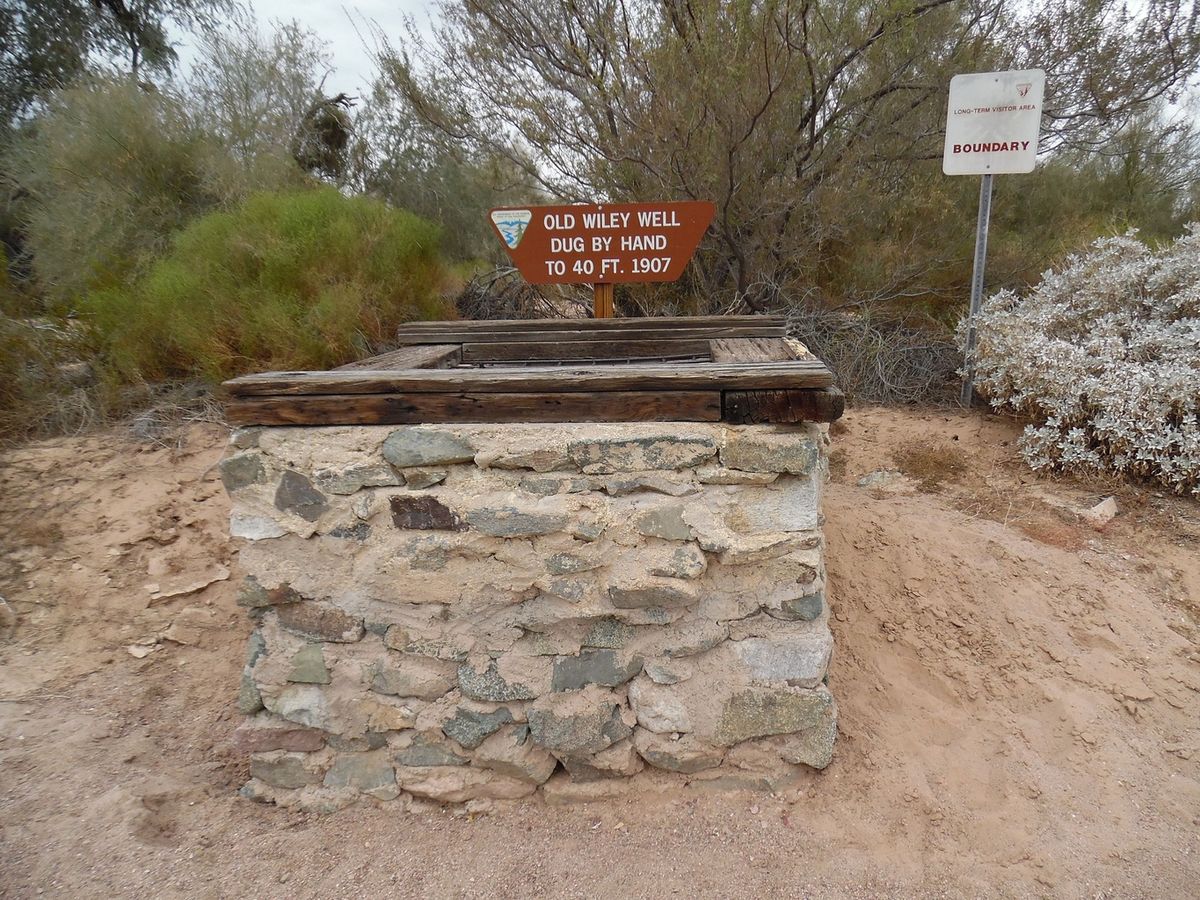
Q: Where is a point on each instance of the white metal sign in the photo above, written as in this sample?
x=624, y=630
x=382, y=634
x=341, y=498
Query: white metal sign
x=992, y=122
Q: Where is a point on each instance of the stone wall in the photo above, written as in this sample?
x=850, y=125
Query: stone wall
x=475, y=612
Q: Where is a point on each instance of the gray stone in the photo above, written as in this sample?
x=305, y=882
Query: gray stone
x=609, y=633
x=249, y=699
x=548, y=485
x=263, y=734
x=717, y=475
x=245, y=438
x=489, y=685
x=812, y=746
x=304, y=704
x=650, y=591
x=284, y=770
x=355, y=478
x=618, y=761
x=359, y=531
x=603, y=667
x=254, y=528
x=682, y=562
x=424, y=513
x=658, y=708
x=308, y=666
x=802, y=609
x=684, y=753
x=578, y=723
x=668, y=671
x=508, y=521
x=417, y=446
x=369, y=773
x=757, y=711
x=800, y=660
x=242, y=470
x=742, y=550
x=413, y=676
x=253, y=595
x=640, y=454
x=587, y=531
x=619, y=485
x=665, y=522
x=419, y=479
x=424, y=752
x=470, y=727
x=296, y=495
x=256, y=646
x=511, y=752
x=571, y=563
x=320, y=622
x=547, y=460
x=762, y=451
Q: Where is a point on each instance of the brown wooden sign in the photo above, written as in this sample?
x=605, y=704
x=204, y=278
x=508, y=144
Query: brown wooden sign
x=602, y=243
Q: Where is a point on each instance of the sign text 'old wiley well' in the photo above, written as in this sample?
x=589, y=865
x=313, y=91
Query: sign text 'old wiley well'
x=605, y=243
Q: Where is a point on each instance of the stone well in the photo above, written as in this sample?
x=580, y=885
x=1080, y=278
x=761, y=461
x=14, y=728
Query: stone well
x=483, y=612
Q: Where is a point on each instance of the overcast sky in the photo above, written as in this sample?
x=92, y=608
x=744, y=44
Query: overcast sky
x=332, y=22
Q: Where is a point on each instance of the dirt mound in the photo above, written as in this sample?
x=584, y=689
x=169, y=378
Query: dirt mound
x=1019, y=698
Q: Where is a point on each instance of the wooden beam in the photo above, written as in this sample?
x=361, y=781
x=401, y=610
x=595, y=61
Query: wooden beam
x=659, y=322
x=427, y=356
x=474, y=336
x=798, y=374
x=408, y=408
x=751, y=349
x=753, y=407
x=586, y=350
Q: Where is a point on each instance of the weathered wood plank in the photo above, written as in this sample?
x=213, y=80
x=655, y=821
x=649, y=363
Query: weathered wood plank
x=585, y=350
x=426, y=356
x=598, y=325
x=794, y=375
x=751, y=349
x=588, y=335
x=409, y=408
x=752, y=407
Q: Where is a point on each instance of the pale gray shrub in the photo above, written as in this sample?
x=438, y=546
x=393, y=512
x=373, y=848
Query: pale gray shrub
x=1104, y=356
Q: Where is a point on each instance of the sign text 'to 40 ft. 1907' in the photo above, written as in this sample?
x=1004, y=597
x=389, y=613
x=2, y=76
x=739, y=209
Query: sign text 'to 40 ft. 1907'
x=602, y=243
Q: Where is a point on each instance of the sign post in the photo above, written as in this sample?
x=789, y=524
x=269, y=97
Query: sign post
x=993, y=120
x=603, y=244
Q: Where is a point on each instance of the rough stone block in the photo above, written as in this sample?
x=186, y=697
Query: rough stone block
x=637, y=592
x=508, y=521
x=413, y=676
x=676, y=752
x=425, y=752
x=296, y=494
x=603, y=667
x=285, y=770
x=620, y=760
x=679, y=562
x=262, y=734
x=308, y=666
x=458, y=784
x=320, y=622
x=800, y=660
x=419, y=479
x=717, y=475
x=490, y=685
x=640, y=454
x=619, y=485
x=356, y=477
x=577, y=723
x=511, y=751
x=419, y=446
x=242, y=470
x=424, y=513
x=470, y=727
x=253, y=595
x=807, y=608
x=664, y=521
x=658, y=708
x=760, y=450
x=368, y=773
x=758, y=711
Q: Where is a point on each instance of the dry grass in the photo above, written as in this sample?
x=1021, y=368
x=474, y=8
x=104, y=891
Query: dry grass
x=931, y=465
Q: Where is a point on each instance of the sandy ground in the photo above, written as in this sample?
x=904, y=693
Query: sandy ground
x=1019, y=696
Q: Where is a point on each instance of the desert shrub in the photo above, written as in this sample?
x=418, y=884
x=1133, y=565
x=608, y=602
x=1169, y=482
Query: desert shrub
x=293, y=280
x=1104, y=355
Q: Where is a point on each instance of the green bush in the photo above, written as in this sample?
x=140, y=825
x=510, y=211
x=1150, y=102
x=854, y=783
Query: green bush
x=295, y=280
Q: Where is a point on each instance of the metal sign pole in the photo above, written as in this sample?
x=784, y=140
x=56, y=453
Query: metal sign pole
x=981, y=238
